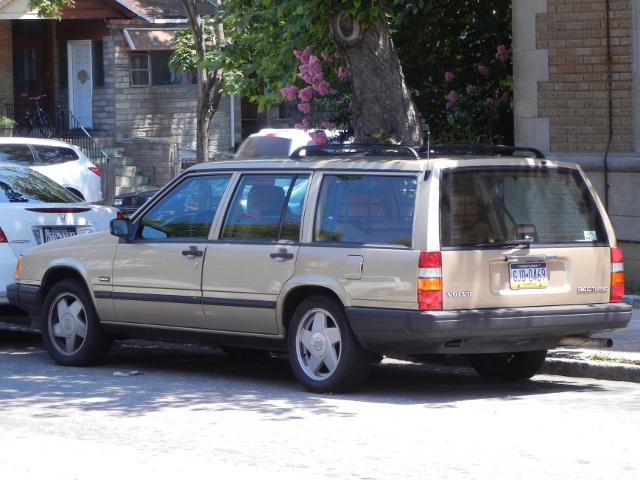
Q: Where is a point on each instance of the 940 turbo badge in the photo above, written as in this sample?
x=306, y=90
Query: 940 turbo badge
x=592, y=289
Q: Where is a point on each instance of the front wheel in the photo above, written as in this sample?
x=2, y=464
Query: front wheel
x=323, y=351
x=71, y=332
x=508, y=366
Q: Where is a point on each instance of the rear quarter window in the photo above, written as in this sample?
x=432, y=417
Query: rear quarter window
x=366, y=209
x=53, y=155
x=17, y=154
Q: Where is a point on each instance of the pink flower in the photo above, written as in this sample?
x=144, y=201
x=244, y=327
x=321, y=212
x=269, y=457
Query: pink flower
x=325, y=56
x=289, y=92
x=488, y=101
x=315, y=69
x=328, y=125
x=297, y=54
x=470, y=89
x=317, y=79
x=318, y=137
x=313, y=60
x=448, y=76
x=502, y=53
x=305, y=55
x=322, y=87
x=452, y=99
x=408, y=6
x=481, y=69
x=306, y=68
x=305, y=94
x=307, y=78
x=504, y=98
x=342, y=73
x=303, y=125
x=304, y=107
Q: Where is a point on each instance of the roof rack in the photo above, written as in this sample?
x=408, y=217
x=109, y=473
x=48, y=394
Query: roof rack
x=480, y=149
x=355, y=150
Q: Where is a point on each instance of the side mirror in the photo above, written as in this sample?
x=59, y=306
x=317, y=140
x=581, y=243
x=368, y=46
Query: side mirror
x=121, y=227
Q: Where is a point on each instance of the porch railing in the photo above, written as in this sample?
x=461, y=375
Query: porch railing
x=66, y=127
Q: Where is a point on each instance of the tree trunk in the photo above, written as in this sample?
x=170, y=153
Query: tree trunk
x=202, y=134
x=382, y=108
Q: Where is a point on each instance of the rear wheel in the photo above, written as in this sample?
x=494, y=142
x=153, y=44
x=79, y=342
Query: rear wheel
x=508, y=366
x=71, y=332
x=323, y=352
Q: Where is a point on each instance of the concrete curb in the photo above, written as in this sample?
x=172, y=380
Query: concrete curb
x=618, y=372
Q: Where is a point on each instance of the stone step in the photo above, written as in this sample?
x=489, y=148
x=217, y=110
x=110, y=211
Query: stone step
x=105, y=142
x=126, y=171
x=135, y=181
x=122, y=162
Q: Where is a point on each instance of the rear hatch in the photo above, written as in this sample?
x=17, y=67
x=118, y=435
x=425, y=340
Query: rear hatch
x=27, y=225
x=519, y=236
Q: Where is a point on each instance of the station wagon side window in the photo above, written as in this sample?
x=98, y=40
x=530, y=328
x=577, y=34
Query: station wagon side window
x=187, y=211
x=266, y=208
x=359, y=209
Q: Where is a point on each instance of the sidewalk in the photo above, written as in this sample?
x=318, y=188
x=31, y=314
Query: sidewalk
x=620, y=362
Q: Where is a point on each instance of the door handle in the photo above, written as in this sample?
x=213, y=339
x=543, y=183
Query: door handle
x=192, y=252
x=282, y=254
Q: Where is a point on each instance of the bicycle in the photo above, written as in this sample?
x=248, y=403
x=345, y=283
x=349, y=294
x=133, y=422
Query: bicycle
x=36, y=118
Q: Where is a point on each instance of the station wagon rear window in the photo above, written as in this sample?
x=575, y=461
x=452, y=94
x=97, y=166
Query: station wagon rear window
x=22, y=185
x=486, y=207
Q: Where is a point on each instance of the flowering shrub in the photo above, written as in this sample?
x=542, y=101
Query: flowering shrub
x=474, y=111
x=456, y=59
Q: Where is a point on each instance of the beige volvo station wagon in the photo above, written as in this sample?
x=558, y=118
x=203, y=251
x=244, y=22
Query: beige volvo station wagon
x=342, y=256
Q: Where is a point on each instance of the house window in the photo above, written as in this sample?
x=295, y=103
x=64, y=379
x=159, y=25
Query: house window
x=140, y=74
x=153, y=69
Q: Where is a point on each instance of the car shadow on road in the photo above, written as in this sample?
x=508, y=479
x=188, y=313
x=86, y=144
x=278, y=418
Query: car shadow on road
x=203, y=378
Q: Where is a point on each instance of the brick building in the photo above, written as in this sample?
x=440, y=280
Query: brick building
x=577, y=97
x=106, y=62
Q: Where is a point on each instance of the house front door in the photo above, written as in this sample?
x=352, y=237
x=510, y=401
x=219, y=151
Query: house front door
x=80, y=81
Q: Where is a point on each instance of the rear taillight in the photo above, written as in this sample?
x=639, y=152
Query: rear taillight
x=617, y=276
x=3, y=237
x=59, y=209
x=119, y=215
x=96, y=170
x=430, y=281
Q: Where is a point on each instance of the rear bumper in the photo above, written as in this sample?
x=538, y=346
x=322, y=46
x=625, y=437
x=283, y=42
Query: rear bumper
x=28, y=298
x=390, y=331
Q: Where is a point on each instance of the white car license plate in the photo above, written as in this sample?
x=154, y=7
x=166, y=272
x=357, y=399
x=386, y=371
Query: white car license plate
x=528, y=275
x=58, y=233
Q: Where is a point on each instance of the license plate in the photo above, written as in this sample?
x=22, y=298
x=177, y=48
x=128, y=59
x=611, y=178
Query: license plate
x=528, y=275
x=58, y=233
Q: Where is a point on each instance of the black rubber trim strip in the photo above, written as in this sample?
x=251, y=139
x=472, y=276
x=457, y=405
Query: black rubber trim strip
x=102, y=294
x=152, y=297
x=231, y=302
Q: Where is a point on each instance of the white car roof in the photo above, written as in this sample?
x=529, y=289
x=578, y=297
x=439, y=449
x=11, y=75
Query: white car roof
x=35, y=141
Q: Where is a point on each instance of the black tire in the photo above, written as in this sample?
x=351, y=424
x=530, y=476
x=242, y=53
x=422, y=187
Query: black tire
x=77, y=339
x=332, y=360
x=508, y=366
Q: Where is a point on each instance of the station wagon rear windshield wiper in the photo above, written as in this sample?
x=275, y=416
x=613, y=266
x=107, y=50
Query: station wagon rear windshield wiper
x=518, y=242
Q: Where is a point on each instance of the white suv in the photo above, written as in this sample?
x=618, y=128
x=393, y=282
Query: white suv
x=62, y=162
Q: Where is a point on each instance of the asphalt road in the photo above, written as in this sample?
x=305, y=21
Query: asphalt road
x=195, y=413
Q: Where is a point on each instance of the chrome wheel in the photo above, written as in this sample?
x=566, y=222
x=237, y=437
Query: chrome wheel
x=318, y=344
x=67, y=324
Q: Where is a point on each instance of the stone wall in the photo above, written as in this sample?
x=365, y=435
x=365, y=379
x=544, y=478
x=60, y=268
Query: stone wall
x=6, y=65
x=575, y=96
